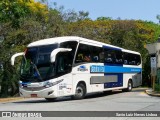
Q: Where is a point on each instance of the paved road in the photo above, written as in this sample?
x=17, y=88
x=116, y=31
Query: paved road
x=137, y=100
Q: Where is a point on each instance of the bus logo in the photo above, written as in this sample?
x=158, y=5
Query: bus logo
x=97, y=69
x=82, y=68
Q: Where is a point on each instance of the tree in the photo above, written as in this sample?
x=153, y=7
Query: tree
x=72, y=16
x=12, y=11
x=104, y=18
x=16, y=22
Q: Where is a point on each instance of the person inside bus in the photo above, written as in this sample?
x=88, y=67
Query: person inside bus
x=83, y=58
x=87, y=58
x=95, y=59
x=79, y=57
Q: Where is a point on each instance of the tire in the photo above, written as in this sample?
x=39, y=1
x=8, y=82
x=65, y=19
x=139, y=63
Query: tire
x=80, y=92
x=50, y=99
x=107, y=92
x=129, y=87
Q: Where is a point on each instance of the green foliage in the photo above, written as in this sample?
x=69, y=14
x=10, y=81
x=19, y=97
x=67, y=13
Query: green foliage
x=104, y=18
x=157, y=87
x=13, y=11
x=72, y=16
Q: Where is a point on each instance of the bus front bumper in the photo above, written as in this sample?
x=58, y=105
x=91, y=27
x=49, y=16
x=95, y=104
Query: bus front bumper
x=44, y=93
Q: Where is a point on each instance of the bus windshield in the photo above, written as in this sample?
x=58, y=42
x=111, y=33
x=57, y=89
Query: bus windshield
x=36, y=65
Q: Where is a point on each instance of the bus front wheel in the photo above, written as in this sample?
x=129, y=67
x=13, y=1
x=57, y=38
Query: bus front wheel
x=80, y=92
x=129, y=87
x=50, y=99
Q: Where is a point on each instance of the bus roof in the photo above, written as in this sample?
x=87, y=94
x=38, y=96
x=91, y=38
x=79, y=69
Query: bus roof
x=130, y=51
x=53, y=41
x=67, y=38
x=74, y=38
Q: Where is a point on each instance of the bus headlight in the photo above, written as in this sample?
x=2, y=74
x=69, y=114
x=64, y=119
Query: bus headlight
x=50, y=84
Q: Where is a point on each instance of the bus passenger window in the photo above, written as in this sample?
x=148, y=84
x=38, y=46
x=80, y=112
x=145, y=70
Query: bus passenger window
x=89, y=53
x=83, y=54
x=109, y=56
x=131, y=59
x=118, y=55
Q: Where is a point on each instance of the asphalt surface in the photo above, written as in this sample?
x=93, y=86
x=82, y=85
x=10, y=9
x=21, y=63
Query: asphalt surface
x=137, y=100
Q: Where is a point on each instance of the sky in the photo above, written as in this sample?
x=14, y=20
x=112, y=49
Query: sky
x=125, y=9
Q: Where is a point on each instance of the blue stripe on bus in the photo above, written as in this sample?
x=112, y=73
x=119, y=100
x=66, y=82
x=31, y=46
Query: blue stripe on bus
x=25, y=83
x=114, y=69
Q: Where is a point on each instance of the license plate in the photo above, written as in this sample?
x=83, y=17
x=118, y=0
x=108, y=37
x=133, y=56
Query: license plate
x=33, y=95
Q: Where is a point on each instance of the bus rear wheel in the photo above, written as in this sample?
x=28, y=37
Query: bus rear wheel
x=129, y=87
x=80, y=92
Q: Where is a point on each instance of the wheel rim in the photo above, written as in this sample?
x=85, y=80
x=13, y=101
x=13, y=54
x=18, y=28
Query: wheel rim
x=130, y=86
x=79, y=91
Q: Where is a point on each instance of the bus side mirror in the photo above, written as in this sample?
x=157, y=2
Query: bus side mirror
x=56, y=51
x=14, y=56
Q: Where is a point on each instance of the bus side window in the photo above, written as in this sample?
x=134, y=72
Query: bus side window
x=109, y=56
x=126, y=59
x=138, y=60
x=64, y=65
x=131, y=59
x=96, y=54
x=88, y=53
x=83, y=54
x=72, y=45
x=119, y=58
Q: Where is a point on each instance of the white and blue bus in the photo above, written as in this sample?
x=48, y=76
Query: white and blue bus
x=75, y=66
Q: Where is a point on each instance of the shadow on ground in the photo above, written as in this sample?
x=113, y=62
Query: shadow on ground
x=89, y=96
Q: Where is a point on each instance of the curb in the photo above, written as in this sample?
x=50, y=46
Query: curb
x=10, y=99
x=152, y=93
